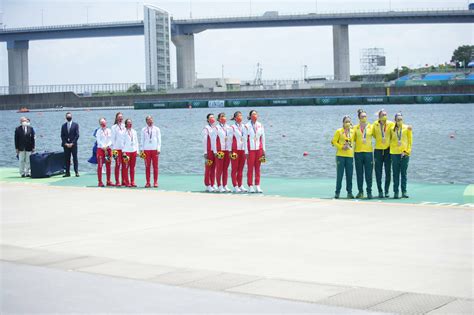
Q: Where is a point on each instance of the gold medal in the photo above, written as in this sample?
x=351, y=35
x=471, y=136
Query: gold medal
x=383, y=140
x=399, y=143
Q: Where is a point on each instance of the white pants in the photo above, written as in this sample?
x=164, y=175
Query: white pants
x=24, y=157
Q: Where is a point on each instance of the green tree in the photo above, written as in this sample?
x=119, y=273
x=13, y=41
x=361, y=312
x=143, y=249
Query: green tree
x=463, y=54
x=134, y=89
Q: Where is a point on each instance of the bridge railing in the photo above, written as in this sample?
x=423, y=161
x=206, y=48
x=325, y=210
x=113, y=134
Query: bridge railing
x=324, y=14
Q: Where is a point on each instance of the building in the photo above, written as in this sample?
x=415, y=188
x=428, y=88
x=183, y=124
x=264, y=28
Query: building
x=157, y=48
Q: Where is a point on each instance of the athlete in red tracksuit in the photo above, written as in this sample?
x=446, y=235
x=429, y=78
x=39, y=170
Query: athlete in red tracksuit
x=151, y=146
x=118, y=133
x=130, y=148
x=223, y=144
x=104, y=153
x=255, y=149
x=239, y=142
x=209, y=135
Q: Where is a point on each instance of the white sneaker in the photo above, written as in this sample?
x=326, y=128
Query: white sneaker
x=227, y=189
x=243, y=189
x=251, y=190
x=215, y=189
x=209, y=188
x=258, y=189
x=237, y=190
x=221, y=189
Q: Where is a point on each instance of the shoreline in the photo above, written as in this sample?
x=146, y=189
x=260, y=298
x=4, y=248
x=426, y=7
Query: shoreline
x=459, y=195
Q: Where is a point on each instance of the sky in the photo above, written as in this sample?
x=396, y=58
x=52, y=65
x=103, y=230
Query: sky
x=282, y=52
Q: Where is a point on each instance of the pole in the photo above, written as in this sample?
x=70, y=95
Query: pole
x=137, y=10
x=316, y=6
x=42, y=17
x=190, y=9
x=87, y=14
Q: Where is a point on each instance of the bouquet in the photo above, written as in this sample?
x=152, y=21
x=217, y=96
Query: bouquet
x=125, y=158
x=220, y=155
x=143, y=155
x=115, y=154
x=234, y=156
x=262, y=159
x=209, y=162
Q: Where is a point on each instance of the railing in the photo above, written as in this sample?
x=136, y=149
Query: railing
x=83, y=89
x=319, y=14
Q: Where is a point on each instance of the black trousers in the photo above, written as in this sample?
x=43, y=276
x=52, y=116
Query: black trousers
x=67, y=156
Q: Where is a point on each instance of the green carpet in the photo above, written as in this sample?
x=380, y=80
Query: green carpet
x=448, y=194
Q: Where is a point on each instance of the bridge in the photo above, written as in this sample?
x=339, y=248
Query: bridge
x=157, y=28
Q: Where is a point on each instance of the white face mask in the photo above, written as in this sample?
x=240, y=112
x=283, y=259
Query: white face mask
x=24, y=123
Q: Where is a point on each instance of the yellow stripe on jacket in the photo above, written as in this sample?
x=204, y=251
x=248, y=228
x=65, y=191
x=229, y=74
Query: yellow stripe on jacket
x=360, y=144
x=378, y=135
x=401, y=142
x=340, y=138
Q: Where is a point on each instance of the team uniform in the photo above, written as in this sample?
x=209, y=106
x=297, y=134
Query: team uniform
x=363, y=156
x=104, y=140
x=344, y=158
x=255, y=148
x=223, y=144
x=118, y=134
x=238, y=135
x=130, y=148
x=401, y=140
x=209, y=134
x=151, y=144
x=382, y=157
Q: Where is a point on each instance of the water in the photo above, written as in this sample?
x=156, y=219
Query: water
x=290, y=131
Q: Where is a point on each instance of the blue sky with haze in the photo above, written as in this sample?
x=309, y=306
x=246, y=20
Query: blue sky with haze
x=281, y=51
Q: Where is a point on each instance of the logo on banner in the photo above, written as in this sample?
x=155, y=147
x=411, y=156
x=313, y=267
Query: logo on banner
x=325, y=101
x=216, y=104
x=428, y=99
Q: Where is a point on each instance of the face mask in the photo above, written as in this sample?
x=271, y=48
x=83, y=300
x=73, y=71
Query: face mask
x=363, y=120
x=24, y=123
x=68, y=118
x=212, y=121
x=223, y=120
x=103, y=124
x=27, y=123
x=149, y=123
x=120, y=119
x=129, y=126
x=400, y=123
x=383, y=118
x=238, y=119
x=347, y=125
x=254, y=118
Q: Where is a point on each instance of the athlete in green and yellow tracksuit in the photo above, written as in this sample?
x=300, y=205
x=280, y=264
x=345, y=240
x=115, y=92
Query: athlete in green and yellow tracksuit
x=381, y=133
x=343, y=141
x=363, y=154
x=401, y=139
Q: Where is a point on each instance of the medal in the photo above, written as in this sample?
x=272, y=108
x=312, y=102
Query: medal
x=364, y=134
x=399, y=136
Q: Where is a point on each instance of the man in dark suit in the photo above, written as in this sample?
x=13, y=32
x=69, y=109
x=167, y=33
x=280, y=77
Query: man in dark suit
x=69, y=137
x=24, y=145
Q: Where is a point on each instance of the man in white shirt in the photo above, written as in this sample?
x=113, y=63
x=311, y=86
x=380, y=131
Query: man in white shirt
x=151, y=145
x=118, y=136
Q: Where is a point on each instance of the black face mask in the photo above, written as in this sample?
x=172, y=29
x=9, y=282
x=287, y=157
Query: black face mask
x=68, y=118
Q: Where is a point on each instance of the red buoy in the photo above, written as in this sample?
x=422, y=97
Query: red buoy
x=305, y=153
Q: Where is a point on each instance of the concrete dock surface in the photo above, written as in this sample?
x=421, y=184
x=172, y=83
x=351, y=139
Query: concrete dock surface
x=376, y=257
